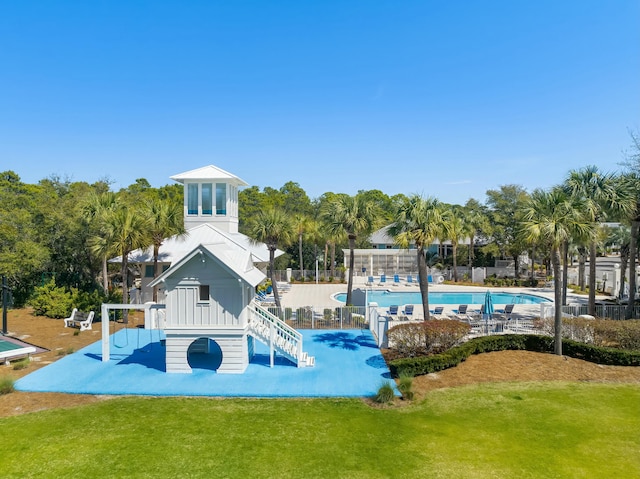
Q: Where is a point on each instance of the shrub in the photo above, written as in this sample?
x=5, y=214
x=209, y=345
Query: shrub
x=443, y=335
x=21, y=364
x=54, y=302
x=92, y=301
x=427, y=337
x=623, y=334
x=405, y=385
x=51, y=301
x=7, y=385
x=385, y=394
x=542, y=344
x=408, y=339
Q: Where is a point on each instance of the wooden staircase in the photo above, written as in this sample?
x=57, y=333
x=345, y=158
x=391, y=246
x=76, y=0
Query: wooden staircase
x=279, y=336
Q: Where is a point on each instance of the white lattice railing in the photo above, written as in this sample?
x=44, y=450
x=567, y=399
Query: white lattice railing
x=274, y=332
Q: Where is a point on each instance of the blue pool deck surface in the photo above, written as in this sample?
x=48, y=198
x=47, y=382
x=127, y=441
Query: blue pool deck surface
x=348, y=364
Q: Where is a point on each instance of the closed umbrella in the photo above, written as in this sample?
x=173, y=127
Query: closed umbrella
x=488, y=309
x=488, y=305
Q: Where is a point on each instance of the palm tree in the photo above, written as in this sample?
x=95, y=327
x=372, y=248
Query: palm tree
x=95, y=209
x=273, y=228
x=553, y=217
x=621, y=236
x=599, y=196
x=419, y=222
x=455, y=229
x=126, y=230
x=303, y=225
x=353, y=216
x=630, y=184
x=477, y=220
x=165, y=219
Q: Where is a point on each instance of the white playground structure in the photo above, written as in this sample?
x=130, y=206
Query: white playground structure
x=209, y=286
x=262, y=325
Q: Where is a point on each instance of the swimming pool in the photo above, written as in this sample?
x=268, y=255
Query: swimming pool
x=388, y=298
x=10, y=350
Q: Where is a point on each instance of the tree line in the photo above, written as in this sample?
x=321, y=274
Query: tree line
x=67, y=230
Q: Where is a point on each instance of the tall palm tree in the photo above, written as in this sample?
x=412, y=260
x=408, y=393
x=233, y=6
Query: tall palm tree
x=164, y=219
x=455, y=229
x=621, y=236
x=272, y=227
x=95, y=209
x=353, y=216
x=553, y=216
x=303, y=226
x=478, y=221
x=630, y=184
x=418, y=221
x=599, y=196
x=126, y=229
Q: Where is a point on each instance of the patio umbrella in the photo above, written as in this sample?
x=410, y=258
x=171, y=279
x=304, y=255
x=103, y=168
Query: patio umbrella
x=488, y=310
x=488, y=305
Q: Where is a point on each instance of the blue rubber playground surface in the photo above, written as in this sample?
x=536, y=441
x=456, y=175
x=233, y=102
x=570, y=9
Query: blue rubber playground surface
x=348, y=364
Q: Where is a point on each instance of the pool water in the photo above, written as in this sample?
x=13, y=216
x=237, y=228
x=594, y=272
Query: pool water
x=388, y=298
x=7, y=346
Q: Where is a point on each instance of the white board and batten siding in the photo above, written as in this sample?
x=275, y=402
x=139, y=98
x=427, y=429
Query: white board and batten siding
x=223, y=307
x=235, y=344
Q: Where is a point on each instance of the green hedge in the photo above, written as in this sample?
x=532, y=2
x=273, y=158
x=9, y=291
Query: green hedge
x=541, y=344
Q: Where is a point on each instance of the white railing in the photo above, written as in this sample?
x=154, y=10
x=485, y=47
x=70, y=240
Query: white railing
x=275, y=332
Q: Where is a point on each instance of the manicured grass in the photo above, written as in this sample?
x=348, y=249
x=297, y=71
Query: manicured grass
x=522, y=430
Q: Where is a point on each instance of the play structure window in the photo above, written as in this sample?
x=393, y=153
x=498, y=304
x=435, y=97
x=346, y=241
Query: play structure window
x=204, y=293
x=207, y=199
x=221, y=199
x=192, y=199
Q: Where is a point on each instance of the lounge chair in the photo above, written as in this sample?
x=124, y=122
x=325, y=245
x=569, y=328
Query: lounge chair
x=462, y=309
x=82, y=320
x=369, y=281
x=478, y=313
x=438, y=313
x=396, y=280
x=508, y=309
x=407, y=312
x=461, y=312
x=383, y=280
x=392, y=312
x=409, y=280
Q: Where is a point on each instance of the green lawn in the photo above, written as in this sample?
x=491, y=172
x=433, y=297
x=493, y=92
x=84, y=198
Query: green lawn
x=505, y=430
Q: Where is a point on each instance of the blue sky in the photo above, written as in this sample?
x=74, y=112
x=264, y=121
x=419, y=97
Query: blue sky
x=446, y=99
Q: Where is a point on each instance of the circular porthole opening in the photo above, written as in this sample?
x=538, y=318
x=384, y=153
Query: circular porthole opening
x=204, y=353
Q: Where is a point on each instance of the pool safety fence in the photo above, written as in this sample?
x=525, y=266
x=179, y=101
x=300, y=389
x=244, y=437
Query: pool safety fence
x=308, y=317
x=606, y=311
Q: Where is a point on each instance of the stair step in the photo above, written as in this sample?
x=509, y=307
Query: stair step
x=284, y=342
